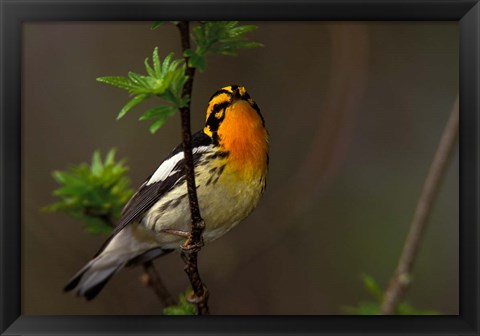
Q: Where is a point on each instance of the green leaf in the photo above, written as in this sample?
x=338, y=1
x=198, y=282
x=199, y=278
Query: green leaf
x=149, y=69
x=404, y=308
x=157, y=24
x=156, y=125
x=128, y=106
x=97, y=165
x=220, y=37
x=156, y=63
x=161, y=114
x=158, y=112
x=164, y=79
x=230, y=48
x=364, y=308
x=374, y=308
x=236, y=31
x=110, y=158
x=197, y=61
x=182, y=308
x=117, y=81
x=139, y=81
x=59, y=176
x=94, y=193
x=372, y=287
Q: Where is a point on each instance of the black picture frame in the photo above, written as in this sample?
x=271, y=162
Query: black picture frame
x=15, y=12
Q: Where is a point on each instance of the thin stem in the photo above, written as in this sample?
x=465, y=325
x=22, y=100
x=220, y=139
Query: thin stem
x=194, y=242
x=401, y=277
x=154, y=281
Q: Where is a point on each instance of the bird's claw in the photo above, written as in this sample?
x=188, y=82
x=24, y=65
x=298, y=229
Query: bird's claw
x=190, y=247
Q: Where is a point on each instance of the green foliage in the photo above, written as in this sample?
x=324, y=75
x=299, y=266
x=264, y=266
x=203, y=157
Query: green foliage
x=364, y=308
x=158, y=24
x=372, y=287
x=182, y=308
x=160, y=114
x=373, y=307
x=94, y=193
x=405, y=308
x=218, y=37
x=164, y=79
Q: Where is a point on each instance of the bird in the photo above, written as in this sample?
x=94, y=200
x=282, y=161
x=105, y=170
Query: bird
x=230, y=158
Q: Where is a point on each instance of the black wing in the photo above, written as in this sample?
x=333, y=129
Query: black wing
x=147, y=195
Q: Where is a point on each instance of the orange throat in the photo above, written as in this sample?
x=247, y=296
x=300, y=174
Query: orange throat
x=243, y=135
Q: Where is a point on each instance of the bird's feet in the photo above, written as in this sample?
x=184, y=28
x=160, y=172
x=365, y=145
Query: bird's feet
x=191, y=247
x=180, y=233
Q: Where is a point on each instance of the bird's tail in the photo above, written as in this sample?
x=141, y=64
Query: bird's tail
x=94, y=276
x=90, y=280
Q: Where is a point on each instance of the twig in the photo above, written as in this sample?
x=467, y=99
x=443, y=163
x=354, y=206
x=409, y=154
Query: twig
x=154, y=281
x=194, y=242
x=150, y=277
x=401, y=277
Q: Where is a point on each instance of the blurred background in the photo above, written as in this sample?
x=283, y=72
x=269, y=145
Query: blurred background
x=354, y=111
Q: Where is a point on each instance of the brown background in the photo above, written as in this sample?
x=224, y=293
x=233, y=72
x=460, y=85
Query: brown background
x=354, y=111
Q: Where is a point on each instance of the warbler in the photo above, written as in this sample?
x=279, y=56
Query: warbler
x=230, y=158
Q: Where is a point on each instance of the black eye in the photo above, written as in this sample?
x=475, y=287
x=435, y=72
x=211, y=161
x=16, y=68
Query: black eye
x=216, y=108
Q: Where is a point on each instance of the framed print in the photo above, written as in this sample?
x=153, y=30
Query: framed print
x=340, y=139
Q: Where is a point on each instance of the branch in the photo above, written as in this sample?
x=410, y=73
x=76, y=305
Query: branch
x=150, y=277
x=401, y=278
x=153, y=280
x=194, y=242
